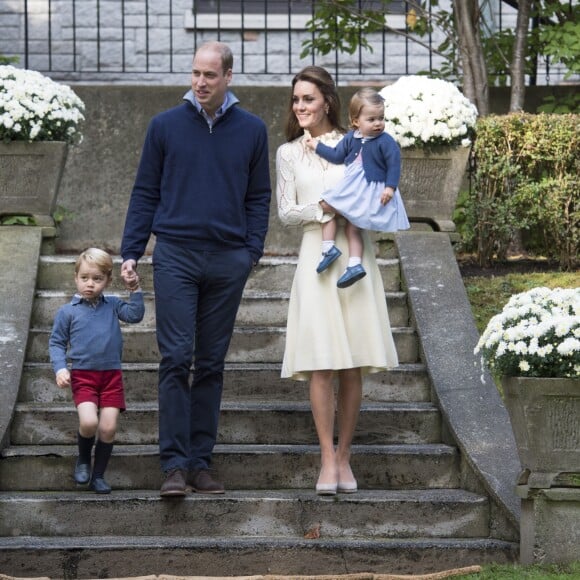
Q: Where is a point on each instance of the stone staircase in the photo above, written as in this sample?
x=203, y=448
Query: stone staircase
x=417, y=510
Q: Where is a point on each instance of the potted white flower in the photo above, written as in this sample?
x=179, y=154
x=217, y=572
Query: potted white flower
x=427, y=113
x=533, y=346
x=35, y=108
x=537, y=334
x=39, y=119
x=434, y=124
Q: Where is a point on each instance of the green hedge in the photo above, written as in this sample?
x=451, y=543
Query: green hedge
x=526, y=177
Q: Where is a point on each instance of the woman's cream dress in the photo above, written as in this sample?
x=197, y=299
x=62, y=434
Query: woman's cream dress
x=328, y=327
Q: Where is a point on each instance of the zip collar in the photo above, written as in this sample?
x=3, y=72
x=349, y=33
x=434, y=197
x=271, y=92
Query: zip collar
x=229, y=101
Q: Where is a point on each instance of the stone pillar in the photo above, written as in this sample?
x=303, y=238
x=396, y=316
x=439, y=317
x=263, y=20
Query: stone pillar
x=549, y=525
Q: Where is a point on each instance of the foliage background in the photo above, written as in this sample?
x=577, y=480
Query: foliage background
x=525, y=177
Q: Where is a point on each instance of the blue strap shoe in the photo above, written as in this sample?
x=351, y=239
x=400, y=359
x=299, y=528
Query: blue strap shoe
x=327, y=258
x=82, y=472
x=99, y=485
x=351, y=275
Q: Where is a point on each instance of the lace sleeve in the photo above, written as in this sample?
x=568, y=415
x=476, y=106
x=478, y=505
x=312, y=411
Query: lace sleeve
x=292, y=213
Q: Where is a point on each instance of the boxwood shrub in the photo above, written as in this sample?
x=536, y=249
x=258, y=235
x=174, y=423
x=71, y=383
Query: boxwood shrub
x=525, y=178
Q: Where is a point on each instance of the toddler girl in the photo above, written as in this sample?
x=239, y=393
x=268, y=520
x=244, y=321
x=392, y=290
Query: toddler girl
x=368, y=197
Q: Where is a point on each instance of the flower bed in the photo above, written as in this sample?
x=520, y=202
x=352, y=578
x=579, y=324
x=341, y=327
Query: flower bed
x=35, y=108
x=424, y=112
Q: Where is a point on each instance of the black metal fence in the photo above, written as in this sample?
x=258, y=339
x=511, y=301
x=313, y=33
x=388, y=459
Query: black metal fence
x=153, y=40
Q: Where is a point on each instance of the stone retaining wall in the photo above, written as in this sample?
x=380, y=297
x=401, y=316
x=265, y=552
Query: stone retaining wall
x=100, y=171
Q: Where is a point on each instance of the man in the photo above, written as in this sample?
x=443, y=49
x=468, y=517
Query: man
x=203, y=189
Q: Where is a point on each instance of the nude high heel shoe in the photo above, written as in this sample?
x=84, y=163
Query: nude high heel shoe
x=347, y=486
x=326, y=488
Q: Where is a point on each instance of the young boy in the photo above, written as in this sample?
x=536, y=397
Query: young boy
x=88, y=328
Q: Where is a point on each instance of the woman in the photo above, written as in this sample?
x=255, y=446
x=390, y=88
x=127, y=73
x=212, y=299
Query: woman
x=330, y=332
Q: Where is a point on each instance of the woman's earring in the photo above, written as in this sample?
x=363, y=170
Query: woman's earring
x=326, y=109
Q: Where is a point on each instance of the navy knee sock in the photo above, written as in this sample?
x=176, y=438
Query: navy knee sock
x=85, y=448
x=102, y=454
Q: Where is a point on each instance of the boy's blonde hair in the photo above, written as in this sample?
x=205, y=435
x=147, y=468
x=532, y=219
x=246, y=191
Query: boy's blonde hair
x=362, y=97
x=99, y=258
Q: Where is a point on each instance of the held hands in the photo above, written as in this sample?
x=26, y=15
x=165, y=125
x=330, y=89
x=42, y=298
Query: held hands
x=311, y=143
x=63, y=378
x=387, y=195
x=129, y=275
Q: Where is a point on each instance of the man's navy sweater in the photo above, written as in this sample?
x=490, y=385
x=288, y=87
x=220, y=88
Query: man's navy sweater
x=200, y=187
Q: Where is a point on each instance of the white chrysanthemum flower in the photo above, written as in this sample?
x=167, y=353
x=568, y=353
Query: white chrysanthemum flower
x=537, y=333
x=569, y=346
x=533, y=346
x=35, y=108
x=562, y=326
x=421, y=111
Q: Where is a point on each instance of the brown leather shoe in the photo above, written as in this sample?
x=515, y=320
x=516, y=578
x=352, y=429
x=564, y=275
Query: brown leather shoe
x=201, y=481
x=174, y=484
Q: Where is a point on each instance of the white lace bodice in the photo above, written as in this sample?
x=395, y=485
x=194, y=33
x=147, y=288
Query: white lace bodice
x=301, y=178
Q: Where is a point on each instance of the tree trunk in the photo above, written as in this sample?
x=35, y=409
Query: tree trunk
x=518, y=85
x=474, y=71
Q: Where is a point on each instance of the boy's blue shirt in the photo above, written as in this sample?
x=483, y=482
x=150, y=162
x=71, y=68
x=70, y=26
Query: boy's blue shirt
x=381, y=156
x=205, y=187
x=92, y=334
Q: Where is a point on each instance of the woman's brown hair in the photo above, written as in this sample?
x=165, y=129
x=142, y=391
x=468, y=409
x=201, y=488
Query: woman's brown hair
x=321, y=78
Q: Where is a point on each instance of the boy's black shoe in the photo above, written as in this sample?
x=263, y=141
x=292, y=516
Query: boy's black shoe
x=99, y=485
x=174, y=484
x=82, y=473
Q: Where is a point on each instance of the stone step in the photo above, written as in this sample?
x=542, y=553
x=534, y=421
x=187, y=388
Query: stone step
x=409, y=515
x=253, y=381
x=272, y=274
x=248, y=345
x=128, y=556
x=239, y=466
x=441, y=513
x=260, y=422
x=256, y=308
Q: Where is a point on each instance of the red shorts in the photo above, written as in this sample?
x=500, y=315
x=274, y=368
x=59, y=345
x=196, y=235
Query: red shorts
x=103, y=388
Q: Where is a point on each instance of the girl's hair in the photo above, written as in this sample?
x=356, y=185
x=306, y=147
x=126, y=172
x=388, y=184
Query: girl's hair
x=321, y=78
x=97, y=257
x=362, y=97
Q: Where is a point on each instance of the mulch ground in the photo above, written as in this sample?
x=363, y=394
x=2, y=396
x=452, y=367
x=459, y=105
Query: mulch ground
x=469, y=267
x=370, y=576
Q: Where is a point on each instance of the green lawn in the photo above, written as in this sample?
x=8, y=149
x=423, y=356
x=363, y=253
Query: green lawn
x=488, y=295
x=503, y=572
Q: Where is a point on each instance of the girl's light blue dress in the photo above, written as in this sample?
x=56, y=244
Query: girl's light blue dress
x=359, y=201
